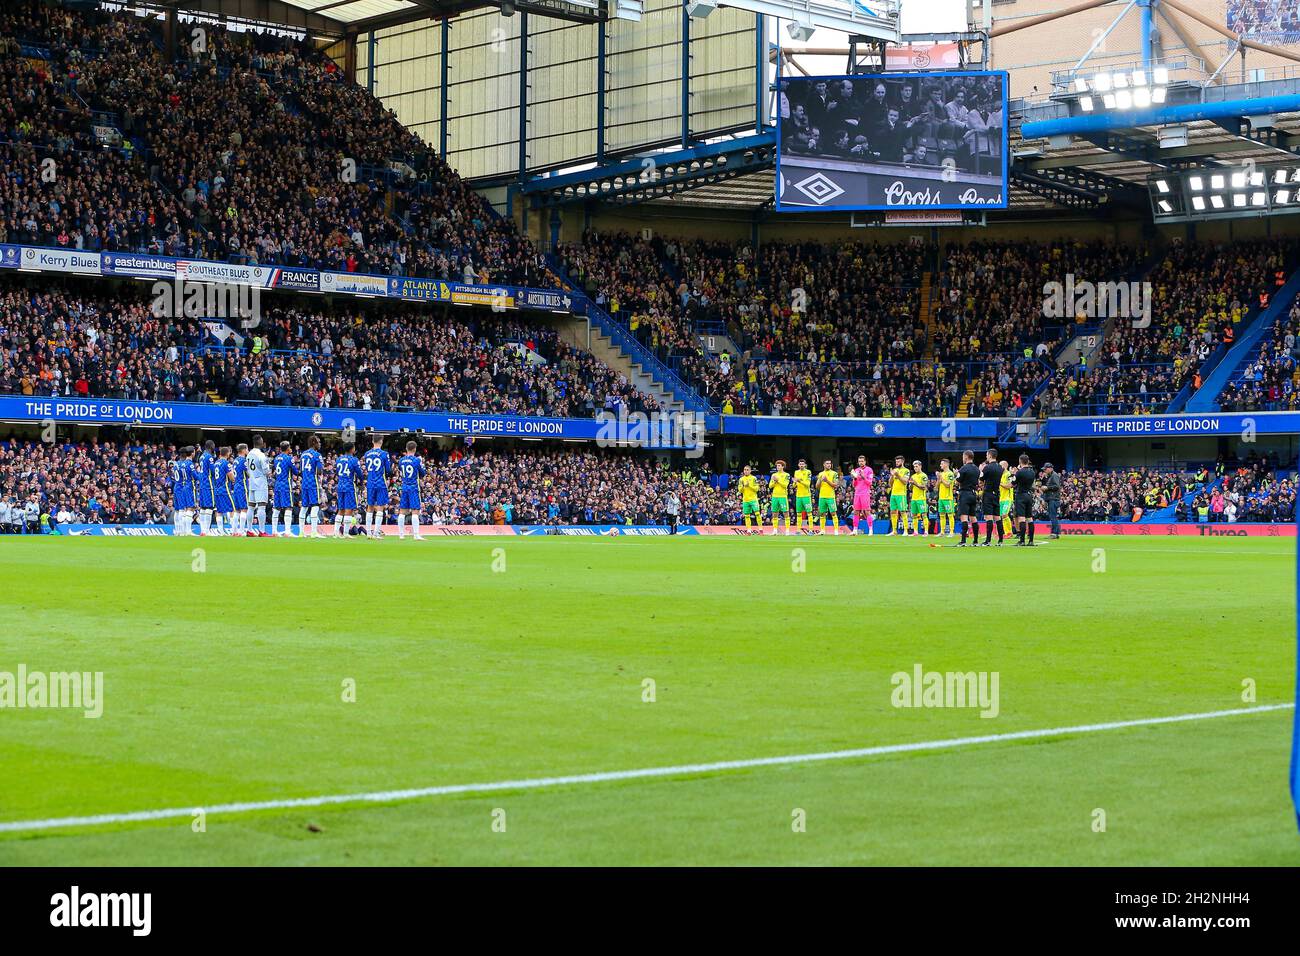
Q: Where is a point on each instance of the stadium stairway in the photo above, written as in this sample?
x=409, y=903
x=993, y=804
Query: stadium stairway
x=927, y=314
x=575, y=332
x=963, y=406
x=1234, y=360
x=637, y=360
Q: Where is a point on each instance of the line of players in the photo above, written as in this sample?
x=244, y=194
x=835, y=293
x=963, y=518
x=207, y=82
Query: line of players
x=229, y=489
x=999, y=494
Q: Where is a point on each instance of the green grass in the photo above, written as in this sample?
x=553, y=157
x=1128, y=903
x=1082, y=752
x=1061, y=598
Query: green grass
x=226, y=685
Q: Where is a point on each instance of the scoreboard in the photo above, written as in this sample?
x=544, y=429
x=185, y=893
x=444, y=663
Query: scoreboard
x=901, y=141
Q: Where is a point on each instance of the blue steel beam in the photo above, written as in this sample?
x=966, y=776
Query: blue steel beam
x=1184, y=113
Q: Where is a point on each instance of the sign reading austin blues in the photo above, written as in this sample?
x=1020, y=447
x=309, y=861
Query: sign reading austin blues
x=1160, y=426
x=10, y=256
x=900, y=141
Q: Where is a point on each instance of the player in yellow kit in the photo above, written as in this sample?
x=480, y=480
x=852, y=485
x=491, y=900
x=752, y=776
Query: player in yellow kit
x=919, y=483
x=802, y=494
x=828, y=484
x=1005, y=494
x=779, y=486
x=946, y=479
x=898, y=495
x=749, y=505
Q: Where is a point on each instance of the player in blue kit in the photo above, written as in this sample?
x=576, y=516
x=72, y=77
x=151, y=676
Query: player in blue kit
x=378, y=467
x=410, y=469
x=239, y=491
x=346, y=469
x=312, y=466
x=282, y=471
x=182, y=475
x=205, y=482
x=221, y=477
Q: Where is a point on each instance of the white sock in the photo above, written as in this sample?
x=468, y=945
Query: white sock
x=401, y=525
x=261, y=517
x=315, y=519
x=205, y=520
x=415, y=524
x=275, y=519
x=338, y=524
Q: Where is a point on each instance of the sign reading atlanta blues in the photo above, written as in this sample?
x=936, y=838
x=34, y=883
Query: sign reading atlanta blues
x=1159, y=426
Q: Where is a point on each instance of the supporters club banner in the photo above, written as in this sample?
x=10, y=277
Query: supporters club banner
x=1177, y=426
x=99, y=411
x=300, y=280
x=146, y=267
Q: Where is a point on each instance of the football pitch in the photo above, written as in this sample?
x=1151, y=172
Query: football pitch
x=476, y=671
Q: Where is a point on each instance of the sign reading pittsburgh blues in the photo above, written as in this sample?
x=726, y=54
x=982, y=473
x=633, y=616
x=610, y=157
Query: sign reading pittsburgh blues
x=1176, y=426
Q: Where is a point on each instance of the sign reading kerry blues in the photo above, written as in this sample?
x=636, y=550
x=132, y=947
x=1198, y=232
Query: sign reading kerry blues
x=1176, y=426
x=102, y=411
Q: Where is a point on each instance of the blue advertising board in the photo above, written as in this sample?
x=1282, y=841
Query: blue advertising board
x=1176, y=426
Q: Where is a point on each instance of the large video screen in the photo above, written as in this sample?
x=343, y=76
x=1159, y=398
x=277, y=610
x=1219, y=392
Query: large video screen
x=892, y=141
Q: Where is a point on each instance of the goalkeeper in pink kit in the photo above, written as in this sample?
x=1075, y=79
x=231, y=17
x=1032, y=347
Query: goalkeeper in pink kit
x=863, y=480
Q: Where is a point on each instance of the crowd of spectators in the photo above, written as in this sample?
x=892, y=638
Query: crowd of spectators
x=250, y=147
x=88, y=482
x=83, y=340
x=1271, y=380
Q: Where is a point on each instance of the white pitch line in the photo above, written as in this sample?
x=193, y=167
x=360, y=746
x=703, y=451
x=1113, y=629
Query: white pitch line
x=537, y=783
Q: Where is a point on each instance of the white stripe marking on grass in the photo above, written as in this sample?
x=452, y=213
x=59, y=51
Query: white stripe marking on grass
x=537, y=783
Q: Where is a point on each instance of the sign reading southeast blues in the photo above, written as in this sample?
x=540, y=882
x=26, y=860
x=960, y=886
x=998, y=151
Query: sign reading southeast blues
x=1176, y=426
x=103, y=411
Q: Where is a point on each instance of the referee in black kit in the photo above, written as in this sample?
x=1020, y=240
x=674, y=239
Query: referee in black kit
x=1023, y=501
x=991, y=472
x=968, y=482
